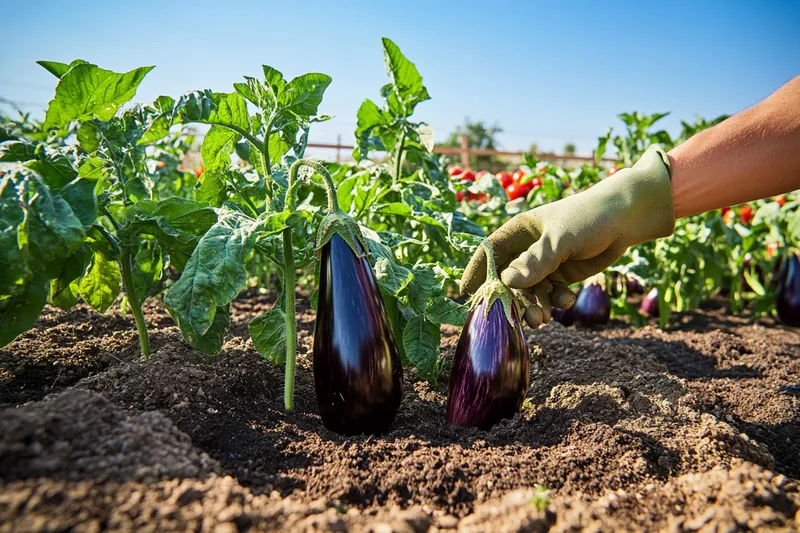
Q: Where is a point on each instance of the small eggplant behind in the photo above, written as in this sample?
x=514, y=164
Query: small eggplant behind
x=593, y=305
x=490, y=374
x=787, y=298
x=649, y=305
x=358, y=374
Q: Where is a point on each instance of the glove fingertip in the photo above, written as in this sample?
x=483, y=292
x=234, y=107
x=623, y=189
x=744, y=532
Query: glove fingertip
x=514, y=278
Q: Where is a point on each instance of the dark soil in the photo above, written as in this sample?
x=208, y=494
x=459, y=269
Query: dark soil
x=689, y=429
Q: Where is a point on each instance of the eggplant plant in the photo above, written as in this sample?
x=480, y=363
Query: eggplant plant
x=78, y=208
x=490, y=374
x=593, y=305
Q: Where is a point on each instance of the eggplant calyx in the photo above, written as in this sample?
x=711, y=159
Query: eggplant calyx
x=493, y=289
x=489, y=292
x=337, y=223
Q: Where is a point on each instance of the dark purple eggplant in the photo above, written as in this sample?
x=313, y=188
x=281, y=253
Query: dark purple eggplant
x=357, y=369
x=787, y=298
x=633, y=286
x=490, y=373
x=593, y=305
x=649, y=305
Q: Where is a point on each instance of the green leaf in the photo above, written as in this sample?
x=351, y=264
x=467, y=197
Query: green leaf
x=405, y=78
x=210, y=342
x=443, y=310
x=16, y=151
x=421, y=345
x=229, y=109
x=214, y=274
x=64, y=289
x=59, y=69
x=369, y=117
x=212, y=188
x=268, y=332
x=422, y=288
x=303, y=95
x=101, y=285
x=148, y=268
x=19, y=313
x=217, y=146
x=15, y=268
x=80, y=196
x=87, y=91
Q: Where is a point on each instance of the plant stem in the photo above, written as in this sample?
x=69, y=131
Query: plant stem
x=265, y=149
x=491, y=269
x=291, y=331
x=330, y=188
x=133, y=301
x=399, y=162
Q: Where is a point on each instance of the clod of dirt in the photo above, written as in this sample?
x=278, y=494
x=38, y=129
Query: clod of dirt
x=79, y=435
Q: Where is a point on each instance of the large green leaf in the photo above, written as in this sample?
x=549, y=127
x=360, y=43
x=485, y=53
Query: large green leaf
x=421, y=345
x=217, y=147
x=211, y=341
x=19, y=313
x=14, y=264
x=101, y=285
x=408, y=89
x=214, y=274
x=59, y=69
x=88, y=91
x=268, y=332
x=443, y=310
x=369, y=117
x=64, y=289
x=303, y=94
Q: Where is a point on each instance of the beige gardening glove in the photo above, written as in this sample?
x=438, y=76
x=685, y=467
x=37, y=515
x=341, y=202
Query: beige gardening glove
x=544, y=250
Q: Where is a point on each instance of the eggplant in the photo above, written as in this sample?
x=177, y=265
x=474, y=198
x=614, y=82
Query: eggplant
x=490, y=374
x=593, y=305
x=649, y=305
x=633, y=285
x=358, y=374
x=787, y=298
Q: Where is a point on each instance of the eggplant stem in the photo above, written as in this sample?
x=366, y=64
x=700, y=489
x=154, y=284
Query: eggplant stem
x=133, y=301
x=330, y=188
x=491, y=268
x=291, y=326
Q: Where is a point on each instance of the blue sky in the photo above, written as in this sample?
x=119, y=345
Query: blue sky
x=547, y=72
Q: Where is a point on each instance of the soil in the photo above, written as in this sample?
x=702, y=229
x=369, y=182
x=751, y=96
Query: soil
x=692, y=428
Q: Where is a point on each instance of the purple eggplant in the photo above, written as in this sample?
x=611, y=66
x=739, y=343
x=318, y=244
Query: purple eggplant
x=593, y=305
x=787, y=298
x=357, y=370
x=633, y=286
x=490, y=373
x=649, y=305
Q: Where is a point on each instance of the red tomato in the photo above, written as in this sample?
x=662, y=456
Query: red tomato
x=473, y=196
x=160, y=164
x=518, y=175
x=772, y=249
x=481, y=174
x=728, y=216
x=453, y=171
x=199, y=172
x=459, y=196
x=515, y=190
x=467, y=176
x=724, y=211
x=781, y=199
x=536, y=182
x=504, y=178
x=746, y=214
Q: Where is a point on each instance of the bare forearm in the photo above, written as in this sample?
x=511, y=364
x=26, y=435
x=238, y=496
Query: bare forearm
x=752, y=155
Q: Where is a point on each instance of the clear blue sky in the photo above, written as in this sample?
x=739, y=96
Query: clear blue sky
x=546, y=72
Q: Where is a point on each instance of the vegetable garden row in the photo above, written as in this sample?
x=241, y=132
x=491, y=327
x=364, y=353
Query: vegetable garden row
x=94, y=204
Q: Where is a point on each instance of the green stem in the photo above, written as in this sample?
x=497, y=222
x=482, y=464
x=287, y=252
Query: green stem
x=330, y=188
x=291, y=331
x=265, y=149
x=491, y=269
x=399, y=162
x=133, y=301
x=126, y=261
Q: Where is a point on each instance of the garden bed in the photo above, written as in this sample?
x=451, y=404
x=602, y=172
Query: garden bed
x=688, y=428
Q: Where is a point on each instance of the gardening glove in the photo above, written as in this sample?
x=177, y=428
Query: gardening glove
x=544, y=250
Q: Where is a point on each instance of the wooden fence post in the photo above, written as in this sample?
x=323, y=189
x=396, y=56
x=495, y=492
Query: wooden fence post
x=464, y=151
